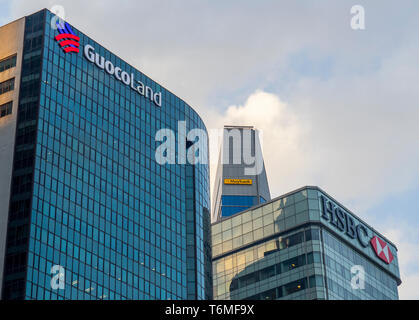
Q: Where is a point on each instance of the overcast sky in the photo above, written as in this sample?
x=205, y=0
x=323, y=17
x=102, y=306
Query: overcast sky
x=338, y=107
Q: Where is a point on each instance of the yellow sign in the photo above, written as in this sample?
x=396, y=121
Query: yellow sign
x=238, y=181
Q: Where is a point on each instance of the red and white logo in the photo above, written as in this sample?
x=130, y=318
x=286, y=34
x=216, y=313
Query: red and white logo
x=382, y=250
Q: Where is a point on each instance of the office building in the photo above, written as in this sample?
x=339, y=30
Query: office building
x=85, y=210
x=302, y=245
x=241, y=180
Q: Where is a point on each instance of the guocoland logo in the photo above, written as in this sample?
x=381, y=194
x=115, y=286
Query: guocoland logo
x=343, y=222
x=70, y=43
x=66, y=38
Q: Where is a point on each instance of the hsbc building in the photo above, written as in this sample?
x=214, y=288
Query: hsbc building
x=302, y=245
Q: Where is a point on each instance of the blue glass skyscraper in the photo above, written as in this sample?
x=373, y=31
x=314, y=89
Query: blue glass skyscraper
x=87, y=213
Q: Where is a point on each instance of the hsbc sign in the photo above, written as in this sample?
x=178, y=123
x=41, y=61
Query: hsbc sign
x=343, y=222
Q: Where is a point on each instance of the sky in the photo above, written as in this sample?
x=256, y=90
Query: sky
x=339, y=108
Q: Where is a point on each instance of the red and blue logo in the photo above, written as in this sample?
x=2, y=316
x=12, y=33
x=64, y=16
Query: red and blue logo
x=382, y=249
x=67, y=39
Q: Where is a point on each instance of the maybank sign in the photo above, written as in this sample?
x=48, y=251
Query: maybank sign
x=121, y=75
x=238, y=181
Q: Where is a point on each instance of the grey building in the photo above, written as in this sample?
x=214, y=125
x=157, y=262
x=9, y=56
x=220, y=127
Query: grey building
x=241, y=180
x=302, y=245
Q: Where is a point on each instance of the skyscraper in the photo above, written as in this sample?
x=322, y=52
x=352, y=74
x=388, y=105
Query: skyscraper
x=86, y=211
x=241, y=180
x=303, y=245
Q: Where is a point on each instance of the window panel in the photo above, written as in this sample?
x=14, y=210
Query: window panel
x=8, y=63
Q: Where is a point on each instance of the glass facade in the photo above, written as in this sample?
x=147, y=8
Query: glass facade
x=231, y=205
x=88, y=194
x=285, y=249
x=378, y=284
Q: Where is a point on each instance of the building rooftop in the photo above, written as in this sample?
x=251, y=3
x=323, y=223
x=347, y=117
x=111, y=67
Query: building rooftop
x=301, y=189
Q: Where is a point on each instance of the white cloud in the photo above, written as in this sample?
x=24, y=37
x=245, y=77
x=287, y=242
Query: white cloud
x=407, y=240
x=409, y=288
x=216, y=49
x=354, y=137
x=358, y=162
x=282, y=134
x=363, y=139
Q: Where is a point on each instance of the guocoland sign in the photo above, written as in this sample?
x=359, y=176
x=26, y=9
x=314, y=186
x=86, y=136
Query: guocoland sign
x=124, y=77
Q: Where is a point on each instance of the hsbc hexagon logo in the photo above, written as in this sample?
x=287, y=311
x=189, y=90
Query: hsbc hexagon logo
x=382, y=250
